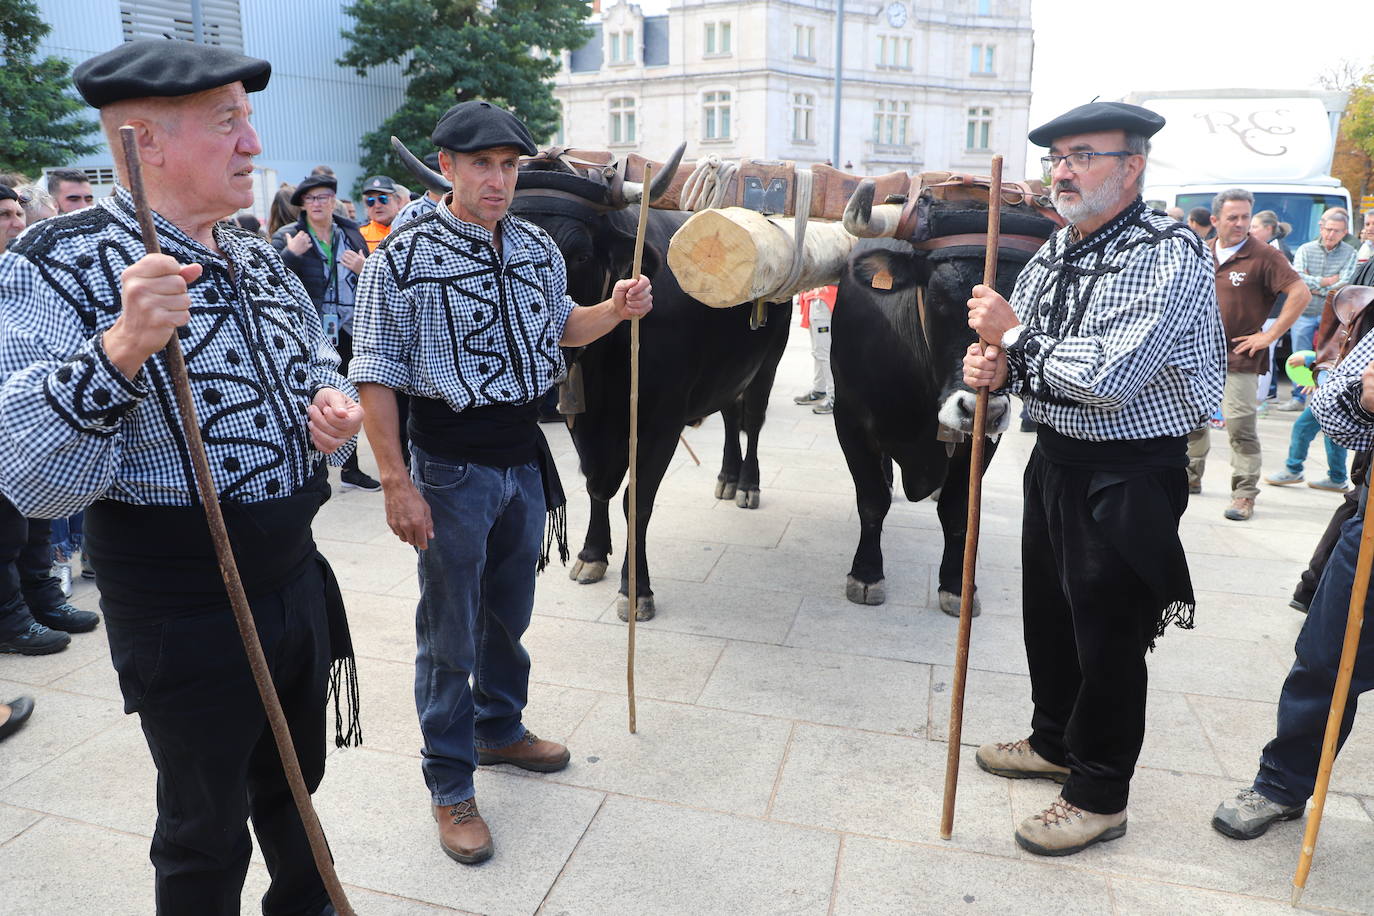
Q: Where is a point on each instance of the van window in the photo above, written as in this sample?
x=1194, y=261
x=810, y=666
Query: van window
x=1301, y=211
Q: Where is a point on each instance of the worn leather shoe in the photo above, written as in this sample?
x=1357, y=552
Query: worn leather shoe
x=1240, y=510
x=1063, y=829
x=20, y=710
x=1018, y=760
x=463, y=835
x=529, y=753
x=68, y=619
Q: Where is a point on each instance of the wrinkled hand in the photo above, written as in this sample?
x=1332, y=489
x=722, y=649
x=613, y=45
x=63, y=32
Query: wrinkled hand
x=985, y=369
x=154, y=304
x=633, y=298
x=298, y=243
x=1331, y=280
x=334, y=418
x=1367, y=388
x=408, y=515
x=353, y=260
x=989, y=314
x=1251, y=344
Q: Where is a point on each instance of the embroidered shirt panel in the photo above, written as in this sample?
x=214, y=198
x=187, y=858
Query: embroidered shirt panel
x=1123, y=336
x=74, y=429
x=440, y=315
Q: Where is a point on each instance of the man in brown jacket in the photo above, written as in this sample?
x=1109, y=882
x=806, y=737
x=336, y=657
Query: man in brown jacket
x=1249, y=276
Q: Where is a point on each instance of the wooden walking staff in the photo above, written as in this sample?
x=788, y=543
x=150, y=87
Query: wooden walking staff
x=1354, y=621
x=632, y=516
x=238, y=600
x=975, y=499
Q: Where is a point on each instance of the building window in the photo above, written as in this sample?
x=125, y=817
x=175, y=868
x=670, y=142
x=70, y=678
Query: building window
x=716, y=116
x=979, y=135
x=982, y=59
x=894, y=52
x=984, y=7
x=804, y=42
x=622, y=120
x=621, y=47
x=892, y=122
x=717, y=39
x=803, y=117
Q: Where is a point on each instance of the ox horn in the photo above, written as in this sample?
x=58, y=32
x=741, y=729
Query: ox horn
x=631, y=192
x=863, y=220
x=426, y=175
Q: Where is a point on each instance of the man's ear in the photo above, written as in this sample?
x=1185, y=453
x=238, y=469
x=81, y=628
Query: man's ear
x=446, y=165
x=151, y=140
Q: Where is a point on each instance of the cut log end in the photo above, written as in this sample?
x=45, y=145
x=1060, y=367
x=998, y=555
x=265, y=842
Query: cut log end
x=713, y=257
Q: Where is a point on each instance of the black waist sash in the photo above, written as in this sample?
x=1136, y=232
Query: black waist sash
x=154, y=563
x=498, y=436
x=1137, y=508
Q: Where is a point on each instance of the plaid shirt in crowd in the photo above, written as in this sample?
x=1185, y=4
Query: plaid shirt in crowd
x=1336, y=402
x=441, y=315
x=74, y=429
x=1122, y=335
x=1312, y=262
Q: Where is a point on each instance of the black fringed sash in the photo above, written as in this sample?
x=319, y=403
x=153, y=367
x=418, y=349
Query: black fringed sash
x=156, y=563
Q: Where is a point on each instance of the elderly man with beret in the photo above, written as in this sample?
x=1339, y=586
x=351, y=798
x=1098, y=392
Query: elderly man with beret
x=464, y=310
x=88, y=419
x=1114, y=341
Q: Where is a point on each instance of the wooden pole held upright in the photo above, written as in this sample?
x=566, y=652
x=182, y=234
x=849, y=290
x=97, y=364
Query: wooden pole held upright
x=238, y=600
x=632, y=515
x=975, y=498
x=1359, y=591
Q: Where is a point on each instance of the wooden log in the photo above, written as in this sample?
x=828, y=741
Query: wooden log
x=726, y=257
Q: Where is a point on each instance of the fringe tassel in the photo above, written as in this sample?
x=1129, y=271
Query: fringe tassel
x=1180, y=614
x=343, y=678
x=555, y=530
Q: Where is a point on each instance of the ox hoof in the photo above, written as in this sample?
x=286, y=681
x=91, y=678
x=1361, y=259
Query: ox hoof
x=645, y=611
x=865, y=592
x=725, y=489
x=747, y=499
x=585, y=572
x=949, y=603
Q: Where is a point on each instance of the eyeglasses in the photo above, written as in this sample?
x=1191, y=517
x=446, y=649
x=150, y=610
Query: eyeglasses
x=1077, y=162
x=317, y=198
x=374, y=199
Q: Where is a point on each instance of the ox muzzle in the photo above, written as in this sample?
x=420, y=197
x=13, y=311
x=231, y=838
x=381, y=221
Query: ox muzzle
x=956, y=414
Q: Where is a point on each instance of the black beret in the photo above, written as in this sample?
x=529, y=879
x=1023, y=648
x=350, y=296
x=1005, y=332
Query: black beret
x=471, y=126
x=1095, y=116
x=157, y=67
x=380, y=183
x=8, y=193
x=311, y=183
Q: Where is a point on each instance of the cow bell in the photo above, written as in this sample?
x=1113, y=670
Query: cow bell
x=952, y=438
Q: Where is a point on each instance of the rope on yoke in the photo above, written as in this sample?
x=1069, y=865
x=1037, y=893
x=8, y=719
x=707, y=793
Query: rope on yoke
x=706, y=187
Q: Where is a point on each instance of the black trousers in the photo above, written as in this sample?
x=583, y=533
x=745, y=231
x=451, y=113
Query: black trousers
x=26, y=580
x=1088, y=619
x=188, y=680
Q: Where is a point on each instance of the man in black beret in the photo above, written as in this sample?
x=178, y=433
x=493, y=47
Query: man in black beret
x=464, y=310
x=90, y=422
x=1114, y=341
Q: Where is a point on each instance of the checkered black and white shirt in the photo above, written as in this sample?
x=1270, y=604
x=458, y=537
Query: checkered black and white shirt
x=73, y=429
x=1122, y=335
x=441, y=315
x=1336, y=402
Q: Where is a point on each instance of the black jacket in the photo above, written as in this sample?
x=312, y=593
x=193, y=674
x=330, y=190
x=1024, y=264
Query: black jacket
x=310, y=266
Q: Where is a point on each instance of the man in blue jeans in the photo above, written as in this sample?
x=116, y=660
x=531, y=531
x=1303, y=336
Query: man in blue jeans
x=464, y=310
x=1344, y=405
x=1305, y=429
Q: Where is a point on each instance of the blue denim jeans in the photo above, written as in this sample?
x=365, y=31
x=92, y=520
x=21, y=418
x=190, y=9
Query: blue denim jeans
x=476, y=597
x=1305, y=429
x=1288, y=764
x=66, y=536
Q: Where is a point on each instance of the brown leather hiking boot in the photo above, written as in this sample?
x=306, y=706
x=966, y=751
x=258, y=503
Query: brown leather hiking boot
x=1018, y=760
x=529, y=753
x=463, y=835
x=1063, y=829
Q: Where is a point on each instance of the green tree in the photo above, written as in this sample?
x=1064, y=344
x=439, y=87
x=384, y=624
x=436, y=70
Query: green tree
x=504, y=51
x=38, y=123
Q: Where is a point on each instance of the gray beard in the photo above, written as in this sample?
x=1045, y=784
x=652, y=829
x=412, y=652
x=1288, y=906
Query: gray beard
x=1096, y=203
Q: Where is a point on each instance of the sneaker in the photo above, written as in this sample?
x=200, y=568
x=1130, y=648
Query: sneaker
x=37, y=640
x=1292, y=405
x=811, y=397
x=1284, y=478
x=1328, y=484
x=1240, y=510
x=62, y=572
x=350, y=479
x=825, y=406
x=87, y=570
x=1018, y=760
x=1249, y=814
x=1063, y=829
x=68, y=619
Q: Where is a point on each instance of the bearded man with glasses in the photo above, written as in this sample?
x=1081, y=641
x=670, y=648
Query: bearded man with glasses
x=1114, y=341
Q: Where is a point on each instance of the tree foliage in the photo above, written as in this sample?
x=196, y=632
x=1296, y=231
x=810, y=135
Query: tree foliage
x=1353, y=162
x=39, y=126
x=504, y=51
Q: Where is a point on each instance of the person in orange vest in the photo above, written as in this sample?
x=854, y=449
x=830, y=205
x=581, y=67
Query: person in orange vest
x=382, y=197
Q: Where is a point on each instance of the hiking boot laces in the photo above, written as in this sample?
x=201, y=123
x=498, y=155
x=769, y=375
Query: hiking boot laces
x=1059, y=812
x=463, y=811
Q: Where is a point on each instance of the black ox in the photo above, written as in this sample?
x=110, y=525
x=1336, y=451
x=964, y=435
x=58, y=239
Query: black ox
x=694, y=360
x=900, y=333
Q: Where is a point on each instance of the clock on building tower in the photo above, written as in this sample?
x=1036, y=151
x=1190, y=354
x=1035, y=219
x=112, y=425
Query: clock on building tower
x=896, y=15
